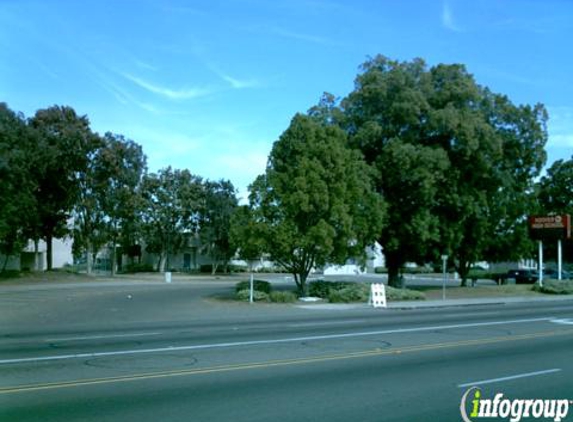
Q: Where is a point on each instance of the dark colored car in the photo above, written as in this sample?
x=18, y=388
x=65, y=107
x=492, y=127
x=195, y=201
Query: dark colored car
x=523, y=276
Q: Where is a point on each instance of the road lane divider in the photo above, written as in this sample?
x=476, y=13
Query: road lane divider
x=27, y=388
x=99, y=337
x=171, y=349
x=509, y=378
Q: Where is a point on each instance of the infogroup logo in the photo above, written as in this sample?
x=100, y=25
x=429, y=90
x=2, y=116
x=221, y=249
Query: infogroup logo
x=513, y=409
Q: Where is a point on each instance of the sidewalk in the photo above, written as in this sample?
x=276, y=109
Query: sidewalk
x=448, y=303
x=477, y=301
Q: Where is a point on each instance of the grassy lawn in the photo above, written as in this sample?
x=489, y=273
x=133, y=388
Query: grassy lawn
x=480, y=291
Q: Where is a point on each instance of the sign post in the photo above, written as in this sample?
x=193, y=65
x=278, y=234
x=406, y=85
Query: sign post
x=445, y=267
x=559, y=259
x=541, y=263
x=550, y=227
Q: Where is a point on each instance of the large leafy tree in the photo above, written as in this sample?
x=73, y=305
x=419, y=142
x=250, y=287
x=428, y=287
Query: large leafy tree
x=17, y=186
x=89, y=219
x=215, y=224
x=64, y=143
x=244, y=235
x=385, y=117
x=555, y=196
x=555, y=189
x=315, y=203
x=108, y=207
x=477, y=156
x=172, y=206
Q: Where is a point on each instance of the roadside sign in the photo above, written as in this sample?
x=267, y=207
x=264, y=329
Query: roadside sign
x=378, y=295
x=550, y=227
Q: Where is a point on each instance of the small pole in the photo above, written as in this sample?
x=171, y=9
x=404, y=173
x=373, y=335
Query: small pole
x=541, y=263
x=445, y=264
x=251, y=287
x=559, y=259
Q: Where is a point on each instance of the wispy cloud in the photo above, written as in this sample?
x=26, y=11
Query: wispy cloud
x=120, y=94
x=173, y=94
x=301, y=36
x=448, y=18
x=240, y=84
x=232, y=81
x=145, y=65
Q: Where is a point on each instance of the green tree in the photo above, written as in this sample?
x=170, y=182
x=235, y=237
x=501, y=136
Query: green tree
x=109, y=203
x=315, y=204
x=64, y=144
x=385, y=117
x=455, y=162
x=16, y=187
x=555, y=196
x=245, y=235
x=555, y=189
x=121, y=165
x=215, y=224
x=172, y=206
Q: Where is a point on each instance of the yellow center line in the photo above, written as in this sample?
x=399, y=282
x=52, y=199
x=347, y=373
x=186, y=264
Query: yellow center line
x=278, y=363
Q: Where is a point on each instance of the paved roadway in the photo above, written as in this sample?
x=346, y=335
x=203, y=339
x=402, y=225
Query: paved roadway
x=146, y=351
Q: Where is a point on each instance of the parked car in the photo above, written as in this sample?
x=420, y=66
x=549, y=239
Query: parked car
x=520, y=277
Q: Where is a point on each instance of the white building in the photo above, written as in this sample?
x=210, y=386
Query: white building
x=28, y=260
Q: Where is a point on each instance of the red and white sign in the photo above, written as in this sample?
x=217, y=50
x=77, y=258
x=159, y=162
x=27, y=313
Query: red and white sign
x=550, y=227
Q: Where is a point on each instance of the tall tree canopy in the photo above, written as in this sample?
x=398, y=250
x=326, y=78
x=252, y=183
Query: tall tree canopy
x=315, y=203
x=109, y=201
x=555, y=196
x=215, y=224
x=172, y=205
x=456, y=163
x=17, y=187
x=555, y=189
x=64, y=145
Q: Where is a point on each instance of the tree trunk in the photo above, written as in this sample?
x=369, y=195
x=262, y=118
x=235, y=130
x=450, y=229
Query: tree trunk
x=394, y=265
x=162, y=262
x=301, y=283
x=463, y=270
x=5, y=264
x=214, y=268
x=36, y=253
x=89, y=259
x=49, y=245
x=113, y=259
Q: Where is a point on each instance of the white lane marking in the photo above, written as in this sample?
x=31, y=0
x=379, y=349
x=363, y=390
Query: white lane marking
x=100, y=337
x=512, y=377
x=267, y=342
x=325, y=324
x=564, y=321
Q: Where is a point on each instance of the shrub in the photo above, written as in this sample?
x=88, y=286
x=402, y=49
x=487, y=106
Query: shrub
x=9, y=274
x=138, y=268
x=403, y=294
x=346, y=292
x=418, y=270
x=258, y=285
x=282, y=297
x=556, y=287
x=258, y=296
x=319, y=288
x=238, y=268
x=351, y=293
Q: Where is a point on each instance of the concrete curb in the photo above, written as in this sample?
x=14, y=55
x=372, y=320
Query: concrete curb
x=433, y=304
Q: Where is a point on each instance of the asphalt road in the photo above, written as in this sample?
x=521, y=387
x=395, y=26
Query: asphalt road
x=132, y=351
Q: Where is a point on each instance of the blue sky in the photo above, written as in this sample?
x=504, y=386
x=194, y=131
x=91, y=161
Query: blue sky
x=210, y=85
